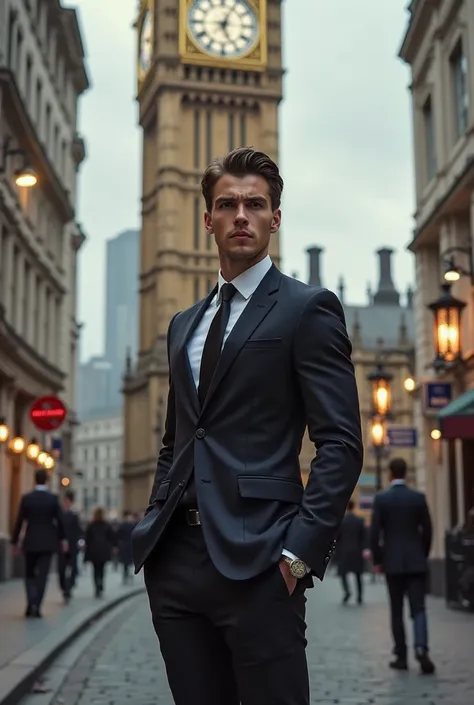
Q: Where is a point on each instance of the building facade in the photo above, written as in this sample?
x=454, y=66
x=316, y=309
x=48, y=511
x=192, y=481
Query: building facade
x=99, y=384
x=200, y=95
x=382, y=333
x=98, y=444
x=42, y=75
x=438, y=46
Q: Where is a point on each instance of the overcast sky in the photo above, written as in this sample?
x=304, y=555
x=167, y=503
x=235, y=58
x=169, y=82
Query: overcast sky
x=345, y=144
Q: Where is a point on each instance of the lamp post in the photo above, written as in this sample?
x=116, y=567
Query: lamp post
x=25, y=176
x=447, y=313
x=378, y=438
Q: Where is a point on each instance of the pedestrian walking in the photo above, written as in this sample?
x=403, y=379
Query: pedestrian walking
x=67, y=560
x=124, y=545
x=400, y=542
x=41, y=516
x=99, y=548
x=231, y=539
x=351, y=544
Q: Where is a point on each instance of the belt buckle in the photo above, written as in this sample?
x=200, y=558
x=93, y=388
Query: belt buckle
x=193, y=517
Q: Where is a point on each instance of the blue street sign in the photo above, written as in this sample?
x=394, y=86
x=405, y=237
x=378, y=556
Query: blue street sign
x=402, y=436
x=438, y=395
x=56, y=447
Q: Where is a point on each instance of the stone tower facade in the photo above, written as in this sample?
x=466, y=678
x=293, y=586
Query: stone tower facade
x=209, y=80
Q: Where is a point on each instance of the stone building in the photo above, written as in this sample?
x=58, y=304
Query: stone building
x=42, y=76
x=98, y=454
x=438, y=46
x=199, y=96
x=382, y=333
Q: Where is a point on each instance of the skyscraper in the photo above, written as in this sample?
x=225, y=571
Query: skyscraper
x=100, y=378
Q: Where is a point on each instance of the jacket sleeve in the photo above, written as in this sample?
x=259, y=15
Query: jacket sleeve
x=325, y=374
x=19, y=522
x=166, y=454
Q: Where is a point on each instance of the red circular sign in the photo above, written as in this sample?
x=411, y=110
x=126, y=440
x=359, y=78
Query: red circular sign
x=48, y=413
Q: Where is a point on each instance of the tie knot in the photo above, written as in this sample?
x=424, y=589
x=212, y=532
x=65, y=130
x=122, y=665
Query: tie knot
x=227, y=292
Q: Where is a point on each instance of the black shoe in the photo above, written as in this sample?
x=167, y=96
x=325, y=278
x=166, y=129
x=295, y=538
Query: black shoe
x=346, y=598
x=29, y=611
x=426, y=664
x=399, y=664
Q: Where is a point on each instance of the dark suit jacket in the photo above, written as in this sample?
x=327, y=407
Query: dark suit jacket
x=351, y=542
x=73, y=529
x=401, y=531
x=41, y=512
x=286, y=364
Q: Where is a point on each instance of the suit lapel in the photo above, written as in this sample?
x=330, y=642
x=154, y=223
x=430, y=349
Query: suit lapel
x=260, y=304
x=182, y=352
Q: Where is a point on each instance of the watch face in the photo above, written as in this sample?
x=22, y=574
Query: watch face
x=298, y=569
x=224, y=28
x=146, y=42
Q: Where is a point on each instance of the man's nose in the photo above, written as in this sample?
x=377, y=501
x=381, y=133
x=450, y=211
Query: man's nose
x=241, y=216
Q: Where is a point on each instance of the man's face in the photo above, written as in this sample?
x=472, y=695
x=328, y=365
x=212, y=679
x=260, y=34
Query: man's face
x=242, y=219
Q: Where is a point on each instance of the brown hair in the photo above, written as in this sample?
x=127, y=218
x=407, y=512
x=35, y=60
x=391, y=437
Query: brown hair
x=99, y=514
x=240, y=162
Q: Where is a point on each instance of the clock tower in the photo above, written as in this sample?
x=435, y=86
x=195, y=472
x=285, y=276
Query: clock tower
x=209, y=79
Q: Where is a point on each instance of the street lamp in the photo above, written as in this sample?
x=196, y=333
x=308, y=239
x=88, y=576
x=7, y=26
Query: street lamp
x=17, y=445
x=381, y=391
x=447, y=312
x=453, y=272
x=4, y=430
x=409, y=384
x=41, y=459
x=25, y=176
x=33, y=450
x=378, y=438
x=48, y=463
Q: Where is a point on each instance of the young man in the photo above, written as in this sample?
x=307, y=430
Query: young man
x=400, y=544
x=231, y=539
x=351, y=544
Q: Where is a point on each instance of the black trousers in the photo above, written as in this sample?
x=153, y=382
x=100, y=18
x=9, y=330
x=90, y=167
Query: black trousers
x=414, y=588
x=359, y=584
x=98, y=576
x=67, y=571
x=225, y=642
x=36, y=576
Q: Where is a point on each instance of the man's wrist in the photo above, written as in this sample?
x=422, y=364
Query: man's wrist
x=289, y=557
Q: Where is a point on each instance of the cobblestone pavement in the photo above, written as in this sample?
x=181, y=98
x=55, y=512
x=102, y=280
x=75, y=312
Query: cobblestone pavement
x=348, y=651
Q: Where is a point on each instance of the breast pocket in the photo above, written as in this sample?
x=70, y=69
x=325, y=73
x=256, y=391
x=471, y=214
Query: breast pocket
x=263, y=344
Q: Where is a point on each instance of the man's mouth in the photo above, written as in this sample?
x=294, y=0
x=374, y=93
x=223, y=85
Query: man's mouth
x=241, y=233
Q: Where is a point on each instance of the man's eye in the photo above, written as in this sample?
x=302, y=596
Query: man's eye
x=226, y=204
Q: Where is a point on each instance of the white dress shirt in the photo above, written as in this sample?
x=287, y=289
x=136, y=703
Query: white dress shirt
x=246, y=284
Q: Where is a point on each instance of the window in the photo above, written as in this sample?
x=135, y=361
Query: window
x=231, y=131
x=96, y=471
x=208, y=137
x=55, y=143
x=47, y=126
x=197, y=223
x=36, y=315
x=38, y=107
x=29, y=66
x=96, y=453
x=19, y=49
x=85, y=455
x=13, y=290
x=459, y=78
x=47, y=342
x=430, y=145
x=197, y=139
x=243, y=130
x=11, y=27
x=196, y=289
x=26, y=296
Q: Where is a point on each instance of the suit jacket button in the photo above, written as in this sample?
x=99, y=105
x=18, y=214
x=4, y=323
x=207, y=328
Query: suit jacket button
x=200, y=433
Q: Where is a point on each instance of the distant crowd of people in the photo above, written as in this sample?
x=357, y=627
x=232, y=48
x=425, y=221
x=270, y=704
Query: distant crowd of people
x=48, y=527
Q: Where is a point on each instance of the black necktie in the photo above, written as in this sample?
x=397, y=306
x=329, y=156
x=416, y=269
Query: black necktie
x=213, y=344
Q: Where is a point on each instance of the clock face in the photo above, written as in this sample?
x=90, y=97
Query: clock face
x=146, y=42
x=224, y=28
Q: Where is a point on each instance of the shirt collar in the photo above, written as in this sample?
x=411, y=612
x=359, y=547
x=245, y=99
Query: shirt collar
x=247, y=282
x=41, y=488
x=394, y=483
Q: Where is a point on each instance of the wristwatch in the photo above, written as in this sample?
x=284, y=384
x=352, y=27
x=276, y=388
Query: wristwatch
x=297, y=567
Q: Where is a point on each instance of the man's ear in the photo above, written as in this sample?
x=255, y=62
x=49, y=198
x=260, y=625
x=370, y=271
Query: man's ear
x=208, y=223
x=276, y=221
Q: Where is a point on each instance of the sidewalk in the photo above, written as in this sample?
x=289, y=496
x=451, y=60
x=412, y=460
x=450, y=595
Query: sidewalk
x=27, y=645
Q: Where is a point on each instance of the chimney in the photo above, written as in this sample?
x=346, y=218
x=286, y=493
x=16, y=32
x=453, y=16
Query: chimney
x=315, y=265
x=386, y=293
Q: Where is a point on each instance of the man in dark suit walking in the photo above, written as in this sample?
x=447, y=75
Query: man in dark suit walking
x=400, y=544
x=42, y=514
x=231, y=539
x=67, y=560
x=351, y=543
